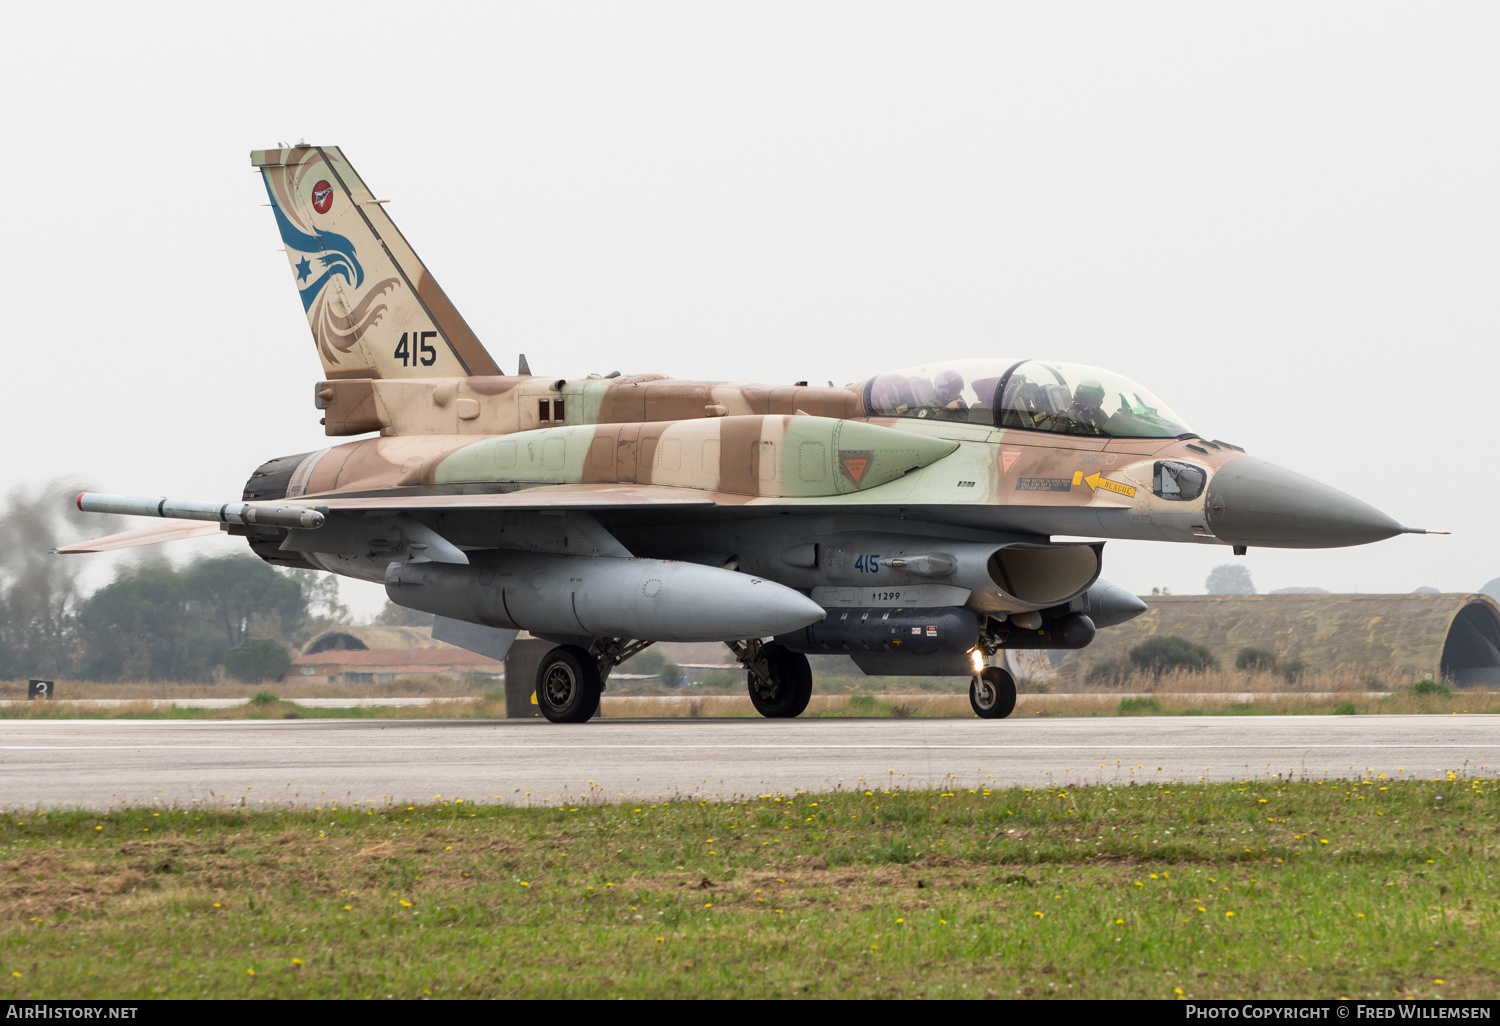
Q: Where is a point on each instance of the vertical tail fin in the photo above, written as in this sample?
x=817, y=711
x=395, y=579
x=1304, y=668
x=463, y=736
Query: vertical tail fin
x=374, y=310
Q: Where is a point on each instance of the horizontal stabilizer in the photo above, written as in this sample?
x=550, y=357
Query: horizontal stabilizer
x=153, y=535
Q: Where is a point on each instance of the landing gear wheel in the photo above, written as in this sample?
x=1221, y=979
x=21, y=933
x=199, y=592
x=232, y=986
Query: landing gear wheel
x=786, y=689
x=568, y=685
x=992, y=694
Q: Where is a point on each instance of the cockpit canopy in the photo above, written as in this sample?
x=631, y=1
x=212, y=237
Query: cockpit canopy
x=1033, y=395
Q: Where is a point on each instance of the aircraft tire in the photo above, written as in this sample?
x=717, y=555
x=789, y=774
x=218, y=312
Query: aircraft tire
x=992, y=695
x=568, y=685
x=788, y=691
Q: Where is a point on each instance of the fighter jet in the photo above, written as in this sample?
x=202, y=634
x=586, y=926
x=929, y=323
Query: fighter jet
x=906, y=520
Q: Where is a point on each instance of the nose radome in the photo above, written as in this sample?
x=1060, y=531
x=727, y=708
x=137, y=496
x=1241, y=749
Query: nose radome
x=1252, y=502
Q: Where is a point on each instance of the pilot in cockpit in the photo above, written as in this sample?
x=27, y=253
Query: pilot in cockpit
x=1086, y=412
x=949, y=386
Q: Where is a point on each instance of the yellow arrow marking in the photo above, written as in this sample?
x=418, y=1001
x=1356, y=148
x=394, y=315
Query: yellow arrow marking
x=1095, y=482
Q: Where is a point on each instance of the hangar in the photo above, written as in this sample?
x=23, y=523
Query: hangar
x=1455, y=636
x=376, y=655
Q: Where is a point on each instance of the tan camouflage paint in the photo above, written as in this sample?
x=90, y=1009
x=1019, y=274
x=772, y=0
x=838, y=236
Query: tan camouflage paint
x=456, y=425
x=490, y=405
x=756, y=460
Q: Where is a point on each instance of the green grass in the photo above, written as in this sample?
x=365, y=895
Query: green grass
x=1272, y=889
x=869, y=705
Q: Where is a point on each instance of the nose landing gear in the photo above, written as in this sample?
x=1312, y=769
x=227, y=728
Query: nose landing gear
x=992, y=694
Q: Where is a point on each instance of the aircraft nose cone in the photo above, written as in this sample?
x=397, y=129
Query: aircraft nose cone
x=1252, y=502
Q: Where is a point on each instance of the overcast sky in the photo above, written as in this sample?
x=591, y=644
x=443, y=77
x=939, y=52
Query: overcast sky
x=1281, y=218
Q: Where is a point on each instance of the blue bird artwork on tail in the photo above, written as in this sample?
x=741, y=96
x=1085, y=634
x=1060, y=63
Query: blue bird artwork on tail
x=338, y=316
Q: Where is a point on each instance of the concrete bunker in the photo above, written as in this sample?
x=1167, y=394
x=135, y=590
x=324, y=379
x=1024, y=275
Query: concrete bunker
x=379, y=655
x=1450, y=636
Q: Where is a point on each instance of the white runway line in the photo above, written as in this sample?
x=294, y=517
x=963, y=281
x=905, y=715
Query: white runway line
x=892, y=747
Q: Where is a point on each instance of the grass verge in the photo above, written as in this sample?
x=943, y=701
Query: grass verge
x=1374, y=888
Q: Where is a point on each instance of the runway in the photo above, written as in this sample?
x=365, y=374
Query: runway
x=99, y=763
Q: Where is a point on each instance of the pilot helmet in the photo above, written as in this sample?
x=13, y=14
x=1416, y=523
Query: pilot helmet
x=949, y=384
x=1090, y=392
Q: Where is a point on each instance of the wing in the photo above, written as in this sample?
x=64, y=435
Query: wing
x=190, y=519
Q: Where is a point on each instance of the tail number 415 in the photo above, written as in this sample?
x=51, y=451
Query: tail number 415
x=418, y=351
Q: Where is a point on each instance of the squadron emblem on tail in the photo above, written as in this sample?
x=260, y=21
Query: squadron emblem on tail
x=370, y=302
x=317, y=258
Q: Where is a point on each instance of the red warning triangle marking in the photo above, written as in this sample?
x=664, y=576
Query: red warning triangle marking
x=856, y=468
x=1008, y=459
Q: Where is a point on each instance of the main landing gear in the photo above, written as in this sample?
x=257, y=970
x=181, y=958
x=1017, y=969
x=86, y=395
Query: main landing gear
x=571, y=679
x=992, y=694
x=780, y=680
x=568, y=685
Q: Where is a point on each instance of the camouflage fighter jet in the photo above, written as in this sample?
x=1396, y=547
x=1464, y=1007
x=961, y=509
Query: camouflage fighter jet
x=906, y=520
